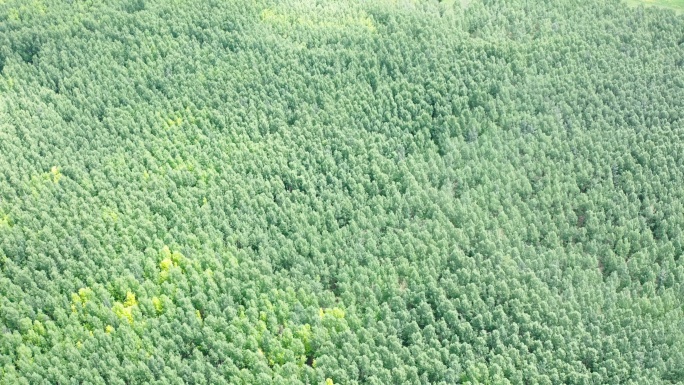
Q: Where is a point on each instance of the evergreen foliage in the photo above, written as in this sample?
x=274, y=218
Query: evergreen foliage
x=358, y=192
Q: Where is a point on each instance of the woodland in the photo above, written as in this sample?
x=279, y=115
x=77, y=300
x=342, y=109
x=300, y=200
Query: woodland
x=341, y=192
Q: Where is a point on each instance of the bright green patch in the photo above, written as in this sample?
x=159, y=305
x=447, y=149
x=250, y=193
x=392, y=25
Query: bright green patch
x=25, y=11
x=56, y=175
x=130, y=300
x=5, y=220
x=158, y=305
x=125, y=310
x=310, y=16
x=335, y=312
x=110, y=214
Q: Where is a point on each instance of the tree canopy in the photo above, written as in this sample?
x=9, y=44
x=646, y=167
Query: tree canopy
x=341, y=192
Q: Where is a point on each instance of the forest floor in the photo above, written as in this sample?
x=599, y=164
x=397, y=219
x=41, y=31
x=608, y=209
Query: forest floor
x=676, y=5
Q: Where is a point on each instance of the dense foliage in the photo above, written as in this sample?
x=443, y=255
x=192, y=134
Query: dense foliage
x=676, y=5
x=310, y=192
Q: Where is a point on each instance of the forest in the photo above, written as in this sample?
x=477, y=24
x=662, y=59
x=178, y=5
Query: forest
x=676, y=5
x=341, y=192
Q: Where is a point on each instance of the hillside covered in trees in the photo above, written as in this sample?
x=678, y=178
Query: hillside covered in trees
x=347, y=192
